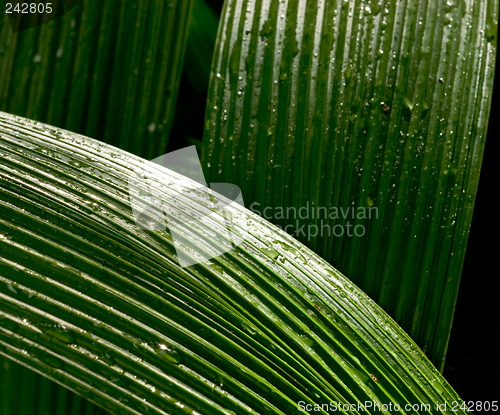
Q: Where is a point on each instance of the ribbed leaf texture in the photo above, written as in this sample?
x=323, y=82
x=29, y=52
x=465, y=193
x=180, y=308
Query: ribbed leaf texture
x=344, y=104
x=100, y=305
x=107, y=69
x=24, y=392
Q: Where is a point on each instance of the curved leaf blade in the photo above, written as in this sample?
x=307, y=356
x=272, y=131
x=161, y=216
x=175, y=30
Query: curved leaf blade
x=357, y=105
x=101, y=306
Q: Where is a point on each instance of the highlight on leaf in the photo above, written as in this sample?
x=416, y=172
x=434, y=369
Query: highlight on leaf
x=347, y=105
x=102, y=306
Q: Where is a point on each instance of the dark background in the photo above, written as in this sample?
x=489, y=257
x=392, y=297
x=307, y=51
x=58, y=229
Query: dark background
x=472, y=364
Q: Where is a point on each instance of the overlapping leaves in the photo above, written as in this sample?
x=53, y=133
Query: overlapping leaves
x=357, y=104
x=100, y=305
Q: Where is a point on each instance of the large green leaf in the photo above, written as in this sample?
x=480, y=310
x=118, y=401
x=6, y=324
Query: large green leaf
x=100, y=305
x=344, y=104
x=107, y=69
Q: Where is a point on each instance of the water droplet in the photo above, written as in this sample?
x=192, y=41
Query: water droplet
x=408, y=103
x=356, y=360
x=227, y=214
x=61, y=333
x=491, y=28
x=169, y=354
x=348, y=74
x=307, y=340
x=271, y=253
x=439, y=387
x=249, y=329
x=11, y=288
x=267, y=29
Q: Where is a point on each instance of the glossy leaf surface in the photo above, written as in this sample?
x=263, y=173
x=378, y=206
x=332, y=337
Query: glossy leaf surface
x=351, y=105
x=100, y=305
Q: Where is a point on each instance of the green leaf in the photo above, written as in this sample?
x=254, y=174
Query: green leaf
x=24, y=392
x=109, y=70
x=100, y=305
x=361, y=105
